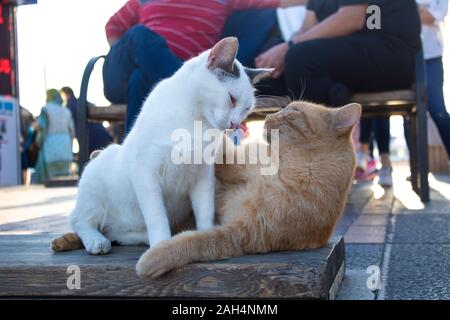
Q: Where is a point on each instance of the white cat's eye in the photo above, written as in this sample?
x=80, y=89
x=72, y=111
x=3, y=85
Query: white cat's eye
x=233, y=100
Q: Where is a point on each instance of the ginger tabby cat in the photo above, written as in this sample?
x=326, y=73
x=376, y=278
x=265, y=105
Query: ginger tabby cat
x=293, y=210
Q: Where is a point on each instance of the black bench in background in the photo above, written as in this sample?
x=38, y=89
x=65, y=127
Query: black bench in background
x=412, y=104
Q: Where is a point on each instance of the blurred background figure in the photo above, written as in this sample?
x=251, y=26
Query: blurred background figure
x=151, y=39
x=374, y=130
x=432, y=14
x=99, y=137
x=337, y=52
x=70, y=101
x=29, y=150
x=55, y=132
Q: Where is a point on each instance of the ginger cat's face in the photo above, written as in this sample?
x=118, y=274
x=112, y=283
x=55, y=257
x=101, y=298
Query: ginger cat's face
x=306, y=125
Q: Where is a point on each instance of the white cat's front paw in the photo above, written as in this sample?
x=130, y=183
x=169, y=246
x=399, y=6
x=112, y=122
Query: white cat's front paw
x=98, y=246
x=156, y=237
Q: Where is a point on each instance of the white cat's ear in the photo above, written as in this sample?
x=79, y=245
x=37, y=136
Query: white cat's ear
x=223, y=55
x=347, y=117
x=257, y=75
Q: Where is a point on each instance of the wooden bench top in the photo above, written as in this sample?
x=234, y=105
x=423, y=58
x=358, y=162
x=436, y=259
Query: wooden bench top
x=28, y=268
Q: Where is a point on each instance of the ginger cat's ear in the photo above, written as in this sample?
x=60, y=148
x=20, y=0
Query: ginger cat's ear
x=223, y=55
x=346, y=117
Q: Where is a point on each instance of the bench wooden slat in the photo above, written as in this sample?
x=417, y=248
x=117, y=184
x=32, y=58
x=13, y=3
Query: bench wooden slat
x=114, y=112
x=28, y=268
x=387, y=97
x=267, y=105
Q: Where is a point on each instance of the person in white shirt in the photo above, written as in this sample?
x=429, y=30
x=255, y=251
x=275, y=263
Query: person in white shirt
x=432, y=14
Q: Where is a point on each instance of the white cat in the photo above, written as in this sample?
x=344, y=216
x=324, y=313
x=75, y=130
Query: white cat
x=133, y=193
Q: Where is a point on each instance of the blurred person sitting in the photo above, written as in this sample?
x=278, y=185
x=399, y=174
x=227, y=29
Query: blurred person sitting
x=55, y=134
x=151, y=39
x=338, y=50
x=70, y=101
x=99, y=137
x=432, y=14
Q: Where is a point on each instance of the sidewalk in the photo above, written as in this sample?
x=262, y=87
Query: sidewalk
x=408, y=241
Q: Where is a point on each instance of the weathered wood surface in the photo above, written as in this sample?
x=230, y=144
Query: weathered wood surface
x=115, y=112
x=29, y=268
x=30, y=217
x=388, y=97
x=393, y=102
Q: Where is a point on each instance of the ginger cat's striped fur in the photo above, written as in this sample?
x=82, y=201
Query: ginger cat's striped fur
x=296, y=209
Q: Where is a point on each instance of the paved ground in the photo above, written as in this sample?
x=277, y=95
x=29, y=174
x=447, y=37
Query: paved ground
x=395, y=233
x=386, y=230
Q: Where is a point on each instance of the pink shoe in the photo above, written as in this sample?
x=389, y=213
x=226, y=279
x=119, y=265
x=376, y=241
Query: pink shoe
x=369, y=173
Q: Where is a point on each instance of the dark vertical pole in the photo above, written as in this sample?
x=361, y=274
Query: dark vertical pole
x=83, y=137
x=15, y=80
x=422, y=128
x=414, y=165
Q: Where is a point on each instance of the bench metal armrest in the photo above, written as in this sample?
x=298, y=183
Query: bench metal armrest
x=82, y=114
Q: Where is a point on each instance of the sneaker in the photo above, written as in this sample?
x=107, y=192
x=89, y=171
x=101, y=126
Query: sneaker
x=385, y=177
x=370, y=173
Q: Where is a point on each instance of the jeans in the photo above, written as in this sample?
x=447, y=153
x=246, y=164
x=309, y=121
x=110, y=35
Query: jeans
x=134, y=65
x=141, y=58
x=378, y=128
x=253, y=28
x=436, y=103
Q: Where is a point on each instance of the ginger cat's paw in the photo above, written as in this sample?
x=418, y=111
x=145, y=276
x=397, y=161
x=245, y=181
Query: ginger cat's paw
x=66, y=242
x=156, y=261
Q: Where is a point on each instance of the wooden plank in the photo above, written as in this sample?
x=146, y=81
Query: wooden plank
x=271, y=104
x=28, y=268
x=387, y=97
x=115, y=112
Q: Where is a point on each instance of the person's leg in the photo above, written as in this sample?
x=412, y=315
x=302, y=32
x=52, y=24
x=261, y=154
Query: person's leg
x=362, y=156
x=151, y=55
x=382, y=136
x=309, y=68
x=314, y=69
x=366, y=132
x=136, y=62
x=116, y=72
x=139, y=48
x=436, y=103
x=253, y=28
x=138, y=89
